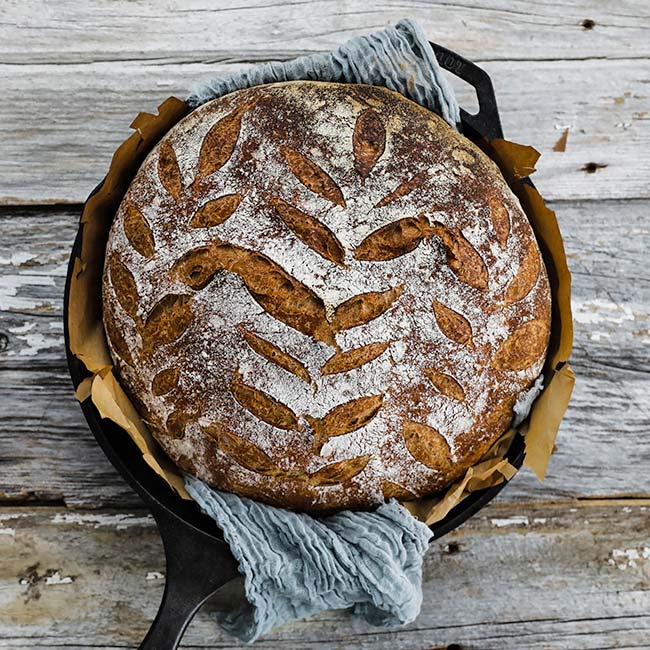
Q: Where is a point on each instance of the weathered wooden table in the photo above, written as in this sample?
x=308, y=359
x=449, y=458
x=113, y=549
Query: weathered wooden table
x=560, y=565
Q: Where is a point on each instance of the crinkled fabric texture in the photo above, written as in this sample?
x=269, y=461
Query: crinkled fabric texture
x=399, y=58
x=295, y=565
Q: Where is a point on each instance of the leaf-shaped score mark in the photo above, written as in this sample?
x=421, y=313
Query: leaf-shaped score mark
x=312, y=176
x=169, y=318
x=464, y=260
x=339, y=472
x=500, y=219
x=394, y=239
x=392, y=490
x=452, y=324
x=445, y=384
x=310, y=231
x=526, y=277
x=368, y=141
x=468, y=265
x=404, y=188
x=215, y=212
x=124, y=286
x=365, y=307
x=426, y=445
x=118, y=342
x=242, y=451
x=523, y=347
x=165, y=381
x=169, y=172
x=219, y=143
x=344, y=418
x=352, y=359
x=196, y=268
x=277, y=292
x=275, y=355
x=138, y=232
x=177, y=421
x=263, y=406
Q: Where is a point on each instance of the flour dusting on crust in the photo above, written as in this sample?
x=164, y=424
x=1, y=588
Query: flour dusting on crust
x=459, y=261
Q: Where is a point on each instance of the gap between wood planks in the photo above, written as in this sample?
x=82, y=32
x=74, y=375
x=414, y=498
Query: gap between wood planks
x=37, y=500
x=250, y=58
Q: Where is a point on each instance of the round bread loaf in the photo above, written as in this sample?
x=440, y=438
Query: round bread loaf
x=320, y=296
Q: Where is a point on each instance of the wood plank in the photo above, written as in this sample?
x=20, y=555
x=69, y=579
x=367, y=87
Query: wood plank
x=48, y=453
x=57, y=155
x=611, y=303
x=48, y=450
x=607, y=256
x=543, y=576
x=257, y=29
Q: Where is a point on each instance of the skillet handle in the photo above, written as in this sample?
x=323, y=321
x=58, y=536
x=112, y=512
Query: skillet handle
x=487, y=121
x=197, y=566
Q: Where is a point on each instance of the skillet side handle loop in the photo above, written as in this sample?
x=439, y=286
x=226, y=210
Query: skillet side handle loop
x=486, y=122
x=197, y=566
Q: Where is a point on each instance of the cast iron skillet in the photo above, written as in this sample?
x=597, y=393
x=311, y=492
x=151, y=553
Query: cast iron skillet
x=198, y=560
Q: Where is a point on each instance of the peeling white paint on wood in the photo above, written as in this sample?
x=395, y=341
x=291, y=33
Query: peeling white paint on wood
x=517, y=520
x=117, y=521
x=601, y=311
x=554, y=580
x=154, y=575
x=12, y=298
x=8, y=516
x=18, y=258
x=630, y=558
x=57, y=579
x=34, y=343
x=22, y=329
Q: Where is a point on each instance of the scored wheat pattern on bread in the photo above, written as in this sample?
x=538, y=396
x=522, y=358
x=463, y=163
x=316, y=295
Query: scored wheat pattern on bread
x=358, y=404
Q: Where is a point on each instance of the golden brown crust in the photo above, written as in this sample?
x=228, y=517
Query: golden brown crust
x=445, y=383
x=352, y=359
x=310, y=231
x=212, y=213
x=275, y=355
x=165, y=381
x=138, y=231
x=320, y=296
x=368, y=141
x=344, y=418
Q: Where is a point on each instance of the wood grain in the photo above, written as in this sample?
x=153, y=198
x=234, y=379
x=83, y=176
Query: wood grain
x=554, y=566
x=45, y=160
x=540, y=576
x=609, y=417
x=260, y=30
x=607, y=258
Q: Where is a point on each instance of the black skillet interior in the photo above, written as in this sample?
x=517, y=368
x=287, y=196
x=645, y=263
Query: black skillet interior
x=198, y=560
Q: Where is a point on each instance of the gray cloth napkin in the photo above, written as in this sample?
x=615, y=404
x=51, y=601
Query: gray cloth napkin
x=399, y=58
x=295, y=565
